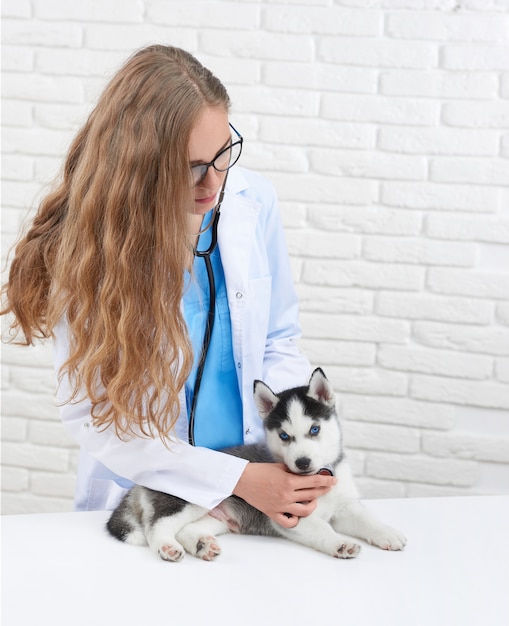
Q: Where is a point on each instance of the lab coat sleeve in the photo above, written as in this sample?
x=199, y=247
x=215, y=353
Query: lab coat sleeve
x=199, y=475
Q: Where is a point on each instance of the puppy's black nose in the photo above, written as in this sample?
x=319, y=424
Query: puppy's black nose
x=303, y=463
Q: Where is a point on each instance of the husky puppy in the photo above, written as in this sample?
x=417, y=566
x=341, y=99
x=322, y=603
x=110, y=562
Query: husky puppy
x=303, y=432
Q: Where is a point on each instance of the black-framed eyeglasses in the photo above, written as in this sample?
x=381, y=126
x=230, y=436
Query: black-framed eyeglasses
x=221, y=162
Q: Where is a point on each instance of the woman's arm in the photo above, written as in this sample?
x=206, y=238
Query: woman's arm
x=199, y=475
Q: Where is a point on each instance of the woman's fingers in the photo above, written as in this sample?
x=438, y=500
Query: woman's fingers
x=282, y=496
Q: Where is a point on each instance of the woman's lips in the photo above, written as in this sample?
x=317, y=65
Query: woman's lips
x=207, y=200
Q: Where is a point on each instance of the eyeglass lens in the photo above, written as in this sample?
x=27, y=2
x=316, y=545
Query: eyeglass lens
x=223, y=161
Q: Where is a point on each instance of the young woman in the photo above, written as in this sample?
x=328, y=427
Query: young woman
x=120, y=267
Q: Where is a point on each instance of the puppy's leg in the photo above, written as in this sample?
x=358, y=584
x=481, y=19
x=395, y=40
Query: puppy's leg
x=316, y=533
x=198, y=538
x=161, y=534
x=354, y=519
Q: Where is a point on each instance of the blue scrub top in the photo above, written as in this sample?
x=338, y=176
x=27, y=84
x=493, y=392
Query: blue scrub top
x=218, y=416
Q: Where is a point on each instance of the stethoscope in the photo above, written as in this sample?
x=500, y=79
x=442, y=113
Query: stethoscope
x=207, y=336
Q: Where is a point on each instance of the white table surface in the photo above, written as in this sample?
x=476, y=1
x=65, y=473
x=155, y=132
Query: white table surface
x=65, y=570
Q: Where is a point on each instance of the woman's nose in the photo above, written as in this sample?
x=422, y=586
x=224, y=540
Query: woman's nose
x=212, y=179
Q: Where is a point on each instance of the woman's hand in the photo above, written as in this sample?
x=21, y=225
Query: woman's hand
x=281, y=495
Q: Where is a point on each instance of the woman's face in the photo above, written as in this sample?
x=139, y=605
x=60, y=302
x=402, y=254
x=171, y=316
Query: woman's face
x=209, y=136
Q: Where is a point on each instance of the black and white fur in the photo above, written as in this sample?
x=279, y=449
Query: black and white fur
x=303, y=432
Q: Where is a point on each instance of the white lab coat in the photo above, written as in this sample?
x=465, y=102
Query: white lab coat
x=264, y=318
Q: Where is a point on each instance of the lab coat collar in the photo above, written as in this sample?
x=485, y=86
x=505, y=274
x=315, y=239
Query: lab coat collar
x=236, y=230
x=237, y=181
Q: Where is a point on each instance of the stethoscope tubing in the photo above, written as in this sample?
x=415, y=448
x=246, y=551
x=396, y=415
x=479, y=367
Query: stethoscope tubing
x=207, y=336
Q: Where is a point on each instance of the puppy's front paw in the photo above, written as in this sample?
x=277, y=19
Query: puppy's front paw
x=207, y=548
x=347, y=550
x=387, y=538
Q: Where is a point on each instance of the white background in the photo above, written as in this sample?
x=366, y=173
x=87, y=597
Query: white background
x=385, y=128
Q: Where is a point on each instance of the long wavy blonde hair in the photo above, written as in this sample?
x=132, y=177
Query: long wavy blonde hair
x=108, y=246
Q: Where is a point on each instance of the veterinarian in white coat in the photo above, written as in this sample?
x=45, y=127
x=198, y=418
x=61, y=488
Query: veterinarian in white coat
x=112, y=268
x=264, y=318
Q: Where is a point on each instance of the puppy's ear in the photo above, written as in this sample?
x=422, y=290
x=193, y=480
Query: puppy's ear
x=265, y=399
x=320, y=388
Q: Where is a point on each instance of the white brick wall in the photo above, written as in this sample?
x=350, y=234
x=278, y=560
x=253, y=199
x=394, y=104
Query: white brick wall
x=385, y=127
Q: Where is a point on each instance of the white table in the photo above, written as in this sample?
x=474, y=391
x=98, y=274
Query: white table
x=64, y=570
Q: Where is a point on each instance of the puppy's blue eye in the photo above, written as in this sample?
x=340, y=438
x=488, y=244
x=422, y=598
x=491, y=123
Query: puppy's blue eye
x=284, y=436
x=314, y=430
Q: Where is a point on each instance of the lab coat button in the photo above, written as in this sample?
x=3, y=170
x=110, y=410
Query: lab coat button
x=239, y=294
x=86, y=425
